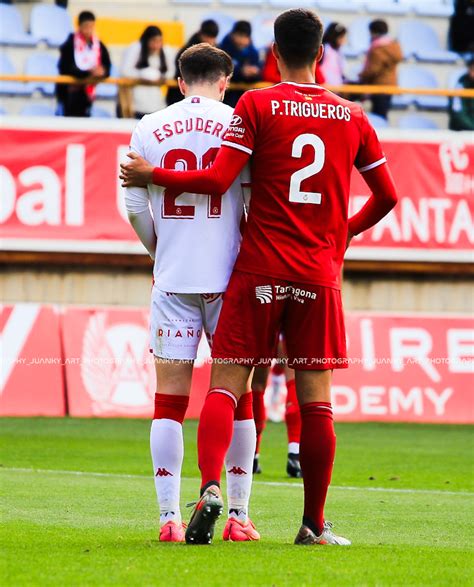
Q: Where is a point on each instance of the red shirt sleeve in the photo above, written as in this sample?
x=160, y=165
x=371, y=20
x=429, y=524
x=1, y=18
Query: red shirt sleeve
x=216, y=179
x=382, y=200
x=370, y=153
x=242, y=130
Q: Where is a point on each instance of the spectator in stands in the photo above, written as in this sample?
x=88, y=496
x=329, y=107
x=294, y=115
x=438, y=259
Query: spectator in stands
x=380, y=66
x=247, y=69
x=271, y=73
x=332, y=63
x=206, y=34
x=146, y=60
x=461, y=33
x=82, y=55
x=461, y=110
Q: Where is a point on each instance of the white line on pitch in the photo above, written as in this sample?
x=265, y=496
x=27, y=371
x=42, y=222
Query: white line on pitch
x=266, y=483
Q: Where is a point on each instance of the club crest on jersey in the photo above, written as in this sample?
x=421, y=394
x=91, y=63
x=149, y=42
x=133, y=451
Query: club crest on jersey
x=195, y=100
x=264, y=294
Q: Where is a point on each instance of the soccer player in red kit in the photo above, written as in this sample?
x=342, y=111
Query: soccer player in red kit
x=302, y=141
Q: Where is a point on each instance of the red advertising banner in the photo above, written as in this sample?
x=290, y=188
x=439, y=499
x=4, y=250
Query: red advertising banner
x=31, y=370
x=434, y=218
x=109, y=368
x=60, y=192
x=403, y=367
x=410, y=368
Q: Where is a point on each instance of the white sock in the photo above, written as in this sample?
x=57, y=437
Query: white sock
x=238, y=466
x=167, y=452
x=294, y=448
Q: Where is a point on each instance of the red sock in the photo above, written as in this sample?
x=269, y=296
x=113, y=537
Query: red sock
x=317, y=449
x=278, y=369
x=292, y=414
x=216, y=426
x=244, y=410
x=259, y=414
x=172, y=407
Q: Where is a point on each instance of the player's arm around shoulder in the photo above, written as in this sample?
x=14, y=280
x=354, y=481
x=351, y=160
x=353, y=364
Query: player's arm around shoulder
x=137, y=171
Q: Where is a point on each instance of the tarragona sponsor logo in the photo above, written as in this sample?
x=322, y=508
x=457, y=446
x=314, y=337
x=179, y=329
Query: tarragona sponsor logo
x=264, y=293
x=284, y=291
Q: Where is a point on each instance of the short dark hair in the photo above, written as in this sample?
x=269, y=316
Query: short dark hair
x=204, y=63
x=209, y=28
x=242, y=27
x=85, y=16
x=298, y=34
x=378, y=27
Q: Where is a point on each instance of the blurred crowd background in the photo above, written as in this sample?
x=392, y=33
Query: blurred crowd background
x=423, y=44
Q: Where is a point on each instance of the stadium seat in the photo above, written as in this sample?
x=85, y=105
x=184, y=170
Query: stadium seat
x=340, y=5
x=377, y=121
x=42, y=64
x=262, y=30
x=380, y=7
x=241, y=2
x=12, y=31
x=442, y=8
x=11, y=88
x=417, y=122
x=37, y=110
x=50, y=23
x=358, y=38
x=108, y=91
x=454, y=76
x=224, y=21
x=415, y=76
x=291, y=3
x=98, y=112
x=420, y=40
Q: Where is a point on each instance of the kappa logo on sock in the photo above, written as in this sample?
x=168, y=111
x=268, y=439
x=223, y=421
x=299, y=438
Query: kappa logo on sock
x=162, y=472
x=237, y=471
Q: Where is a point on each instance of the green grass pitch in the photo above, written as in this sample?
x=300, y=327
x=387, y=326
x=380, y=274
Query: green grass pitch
x=79, y=509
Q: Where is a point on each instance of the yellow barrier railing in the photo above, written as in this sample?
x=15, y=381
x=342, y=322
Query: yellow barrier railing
x=126, y=100
x=344, y=89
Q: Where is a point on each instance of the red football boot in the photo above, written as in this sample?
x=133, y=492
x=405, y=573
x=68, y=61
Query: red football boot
x=236, y=531
x=172, y=532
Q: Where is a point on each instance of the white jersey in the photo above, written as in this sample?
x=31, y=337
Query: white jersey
x=198, y=237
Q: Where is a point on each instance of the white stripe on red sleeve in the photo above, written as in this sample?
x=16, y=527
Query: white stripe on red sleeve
x=372, y=165
x=236, y=146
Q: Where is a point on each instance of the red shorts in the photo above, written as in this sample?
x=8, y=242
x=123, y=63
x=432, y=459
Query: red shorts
x=257, y=308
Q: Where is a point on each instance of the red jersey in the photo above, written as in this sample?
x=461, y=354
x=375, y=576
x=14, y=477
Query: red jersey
x=304, y=141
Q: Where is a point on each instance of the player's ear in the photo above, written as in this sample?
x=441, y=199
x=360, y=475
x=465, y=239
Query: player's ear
x=274, y=50
x=223, y=85
x=182, y=86
x=320, y=54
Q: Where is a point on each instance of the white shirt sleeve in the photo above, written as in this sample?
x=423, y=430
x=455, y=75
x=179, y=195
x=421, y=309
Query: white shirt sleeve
x=137, y=203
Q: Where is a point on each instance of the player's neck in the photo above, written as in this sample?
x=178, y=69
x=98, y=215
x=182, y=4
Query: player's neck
x=297, y=76
x=205, y=91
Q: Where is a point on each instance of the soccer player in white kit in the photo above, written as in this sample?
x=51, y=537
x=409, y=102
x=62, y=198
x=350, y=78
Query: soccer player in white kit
x=194, y=240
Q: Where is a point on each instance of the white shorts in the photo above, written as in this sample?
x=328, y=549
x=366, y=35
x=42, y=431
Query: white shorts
x=177, y=321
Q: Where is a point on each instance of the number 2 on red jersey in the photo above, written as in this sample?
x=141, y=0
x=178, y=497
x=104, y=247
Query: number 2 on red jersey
x=301, y=141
